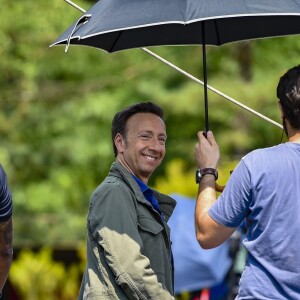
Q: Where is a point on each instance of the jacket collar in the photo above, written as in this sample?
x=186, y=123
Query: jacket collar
x=166, y=203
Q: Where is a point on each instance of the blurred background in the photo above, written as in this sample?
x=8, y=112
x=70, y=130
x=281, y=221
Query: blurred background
x=56, y=112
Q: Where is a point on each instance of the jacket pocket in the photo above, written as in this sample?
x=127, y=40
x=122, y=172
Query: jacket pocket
x=149, y=225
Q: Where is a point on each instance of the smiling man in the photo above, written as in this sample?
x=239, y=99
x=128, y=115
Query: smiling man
x=128, y=244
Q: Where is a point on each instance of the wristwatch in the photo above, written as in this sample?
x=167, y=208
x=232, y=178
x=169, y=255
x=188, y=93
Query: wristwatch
x=202, y=172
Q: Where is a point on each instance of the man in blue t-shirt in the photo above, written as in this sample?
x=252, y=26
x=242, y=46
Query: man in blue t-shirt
x=264, y=189
x=6, y=250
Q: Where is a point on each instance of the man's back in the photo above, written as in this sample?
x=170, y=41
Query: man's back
x=265, y=190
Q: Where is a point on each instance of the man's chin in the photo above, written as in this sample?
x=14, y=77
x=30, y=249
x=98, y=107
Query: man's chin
x=152, y=166
x=147, y=172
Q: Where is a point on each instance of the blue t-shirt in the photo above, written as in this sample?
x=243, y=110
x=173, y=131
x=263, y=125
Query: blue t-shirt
x=5, y=198
x=264, y=189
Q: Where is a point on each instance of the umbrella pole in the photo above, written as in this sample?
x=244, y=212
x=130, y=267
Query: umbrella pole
x=205, y=78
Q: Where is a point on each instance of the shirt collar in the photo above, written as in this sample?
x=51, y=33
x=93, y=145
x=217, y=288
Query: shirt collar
x=144, y=187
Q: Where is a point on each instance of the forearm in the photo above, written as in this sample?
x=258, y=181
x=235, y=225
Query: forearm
x=210, y=234
x=206, y=197
x=5, y=263
x=6, y=250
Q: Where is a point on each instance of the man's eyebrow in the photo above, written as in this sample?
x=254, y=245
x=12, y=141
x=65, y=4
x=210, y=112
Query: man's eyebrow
x=152, y=132
x=145, y=131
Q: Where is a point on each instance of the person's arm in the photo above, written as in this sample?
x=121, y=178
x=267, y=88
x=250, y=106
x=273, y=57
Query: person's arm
x=6, y=250
x=209, y=233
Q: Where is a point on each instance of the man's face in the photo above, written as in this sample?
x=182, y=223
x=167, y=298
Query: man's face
x=143, y=149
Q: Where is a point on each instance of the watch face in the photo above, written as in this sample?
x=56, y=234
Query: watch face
x=198, y=176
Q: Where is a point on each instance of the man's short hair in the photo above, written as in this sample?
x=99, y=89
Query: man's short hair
x=288, y=93
x=119, y=123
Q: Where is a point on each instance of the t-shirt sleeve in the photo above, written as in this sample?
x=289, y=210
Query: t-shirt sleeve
x=232, y=206
x=5, y=197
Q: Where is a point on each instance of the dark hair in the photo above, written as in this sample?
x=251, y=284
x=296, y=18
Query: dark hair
x=288, y=93
x=120, y=119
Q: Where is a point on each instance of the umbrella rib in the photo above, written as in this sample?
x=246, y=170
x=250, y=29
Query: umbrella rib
x=217, y=32
x=212, y=88
x=75, y=5
x=116, y=40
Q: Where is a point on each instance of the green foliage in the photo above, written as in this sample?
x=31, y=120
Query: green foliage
x=181, y=180
x=177, y=180
x=36, y=276
x=56, y=110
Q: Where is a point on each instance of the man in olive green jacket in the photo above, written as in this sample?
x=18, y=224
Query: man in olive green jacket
x=128, y=243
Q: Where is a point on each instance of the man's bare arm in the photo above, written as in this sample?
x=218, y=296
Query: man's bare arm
x=6, y=250
x=209, y=233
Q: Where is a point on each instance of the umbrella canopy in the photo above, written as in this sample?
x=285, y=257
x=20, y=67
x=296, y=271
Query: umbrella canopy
x=114, y=25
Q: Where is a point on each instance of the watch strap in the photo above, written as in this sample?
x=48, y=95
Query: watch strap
x=202, y=172
x=209, y=171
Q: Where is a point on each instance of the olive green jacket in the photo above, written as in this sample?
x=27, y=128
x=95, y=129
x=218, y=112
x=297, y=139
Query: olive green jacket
x=128, y=244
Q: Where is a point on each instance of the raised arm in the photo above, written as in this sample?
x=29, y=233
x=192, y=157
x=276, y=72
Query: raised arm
x=209, y=233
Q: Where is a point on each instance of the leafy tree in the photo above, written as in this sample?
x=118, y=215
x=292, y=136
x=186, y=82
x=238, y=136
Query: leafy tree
x=56, y=110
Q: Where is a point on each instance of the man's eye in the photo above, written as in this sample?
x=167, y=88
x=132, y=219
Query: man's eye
x=162, y=140
x=145, y=136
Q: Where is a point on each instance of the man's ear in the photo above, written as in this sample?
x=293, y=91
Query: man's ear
x=119, y=142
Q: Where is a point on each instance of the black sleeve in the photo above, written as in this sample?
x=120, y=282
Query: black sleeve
x=5, y=197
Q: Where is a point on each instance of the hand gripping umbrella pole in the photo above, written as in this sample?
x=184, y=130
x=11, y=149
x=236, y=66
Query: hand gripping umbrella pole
x=206, y=86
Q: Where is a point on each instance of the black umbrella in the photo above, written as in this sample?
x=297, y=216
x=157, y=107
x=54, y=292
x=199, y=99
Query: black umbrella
x=114, y=25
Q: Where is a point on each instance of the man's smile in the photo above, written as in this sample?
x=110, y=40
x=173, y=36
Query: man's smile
x=148, y=157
